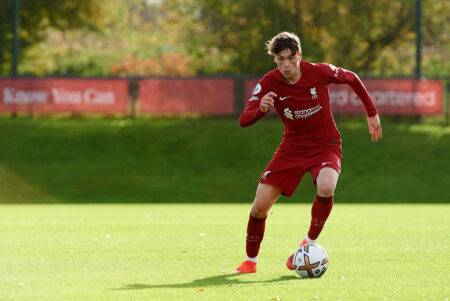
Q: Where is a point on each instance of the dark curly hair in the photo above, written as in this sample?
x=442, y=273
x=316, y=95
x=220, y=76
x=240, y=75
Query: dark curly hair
x=283, y=40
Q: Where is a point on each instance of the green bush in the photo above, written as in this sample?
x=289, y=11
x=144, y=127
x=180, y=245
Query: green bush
x=205, y=160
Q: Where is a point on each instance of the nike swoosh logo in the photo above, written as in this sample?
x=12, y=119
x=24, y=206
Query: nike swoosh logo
x=283, y=98
x=325, y=163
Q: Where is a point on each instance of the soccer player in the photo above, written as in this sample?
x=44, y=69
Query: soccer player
x=298, y=91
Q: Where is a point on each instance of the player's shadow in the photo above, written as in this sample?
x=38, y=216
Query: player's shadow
x=225, y=279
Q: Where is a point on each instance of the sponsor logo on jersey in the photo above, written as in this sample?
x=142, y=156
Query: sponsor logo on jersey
x=301, y=114
x=288, y=114
x=313, y=93
x=257, y=89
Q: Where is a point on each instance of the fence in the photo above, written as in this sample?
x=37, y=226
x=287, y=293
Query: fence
x=204, y=96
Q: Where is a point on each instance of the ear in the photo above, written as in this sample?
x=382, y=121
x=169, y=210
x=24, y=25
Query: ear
x=300, y=55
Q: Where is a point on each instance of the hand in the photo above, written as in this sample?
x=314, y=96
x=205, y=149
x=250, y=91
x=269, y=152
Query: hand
x=267, y=102
x=374, y=127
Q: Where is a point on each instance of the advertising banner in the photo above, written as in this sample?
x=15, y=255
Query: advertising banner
x=209, y=96
x=64, y=95
x=391, y=96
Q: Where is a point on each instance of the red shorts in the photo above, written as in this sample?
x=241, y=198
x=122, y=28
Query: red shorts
x=285, y=171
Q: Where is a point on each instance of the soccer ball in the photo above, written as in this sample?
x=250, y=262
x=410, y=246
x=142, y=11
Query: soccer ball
x=310, y=261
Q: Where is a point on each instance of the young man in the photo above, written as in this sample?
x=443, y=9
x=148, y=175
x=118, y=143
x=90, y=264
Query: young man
x=298, y=91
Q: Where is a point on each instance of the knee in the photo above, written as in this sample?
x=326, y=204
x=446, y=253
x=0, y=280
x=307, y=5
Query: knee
x=259, y=210
x=325, y=188
x=266, y=196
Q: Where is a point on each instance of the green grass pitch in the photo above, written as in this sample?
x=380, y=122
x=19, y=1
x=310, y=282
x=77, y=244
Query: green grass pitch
x=187, y=252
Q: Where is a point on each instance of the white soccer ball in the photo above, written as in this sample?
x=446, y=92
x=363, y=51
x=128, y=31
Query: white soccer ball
x=310, y=261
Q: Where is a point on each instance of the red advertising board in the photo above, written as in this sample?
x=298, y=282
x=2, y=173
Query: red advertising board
x=64, y=95
x=210, y=96
x=391, y=96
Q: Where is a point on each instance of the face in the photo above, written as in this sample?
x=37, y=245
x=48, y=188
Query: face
x=288, y=63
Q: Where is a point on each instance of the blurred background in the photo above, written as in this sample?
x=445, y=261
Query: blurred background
x=137, y=100
x=199, y=37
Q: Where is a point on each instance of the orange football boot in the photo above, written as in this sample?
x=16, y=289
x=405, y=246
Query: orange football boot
x=290, y=260
x=246, y=267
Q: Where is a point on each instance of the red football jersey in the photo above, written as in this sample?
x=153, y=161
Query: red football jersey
x=304, y=107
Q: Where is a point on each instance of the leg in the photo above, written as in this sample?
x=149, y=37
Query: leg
x=276, y=179
x=266, y=196
x=326, y=184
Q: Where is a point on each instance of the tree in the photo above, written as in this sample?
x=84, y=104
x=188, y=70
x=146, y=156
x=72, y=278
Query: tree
x=185, y=37
x=36, y=16
x=370, y=37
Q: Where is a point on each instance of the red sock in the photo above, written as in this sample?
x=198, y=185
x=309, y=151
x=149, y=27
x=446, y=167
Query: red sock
x=319, y=213
x=255, y=234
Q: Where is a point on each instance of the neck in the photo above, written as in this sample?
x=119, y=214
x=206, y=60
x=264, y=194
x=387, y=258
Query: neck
x=295, y=78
